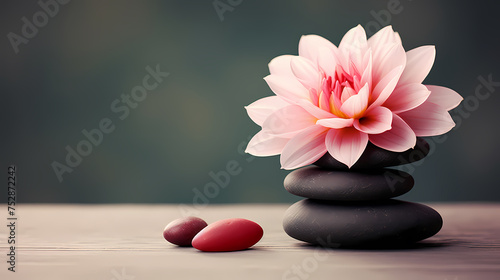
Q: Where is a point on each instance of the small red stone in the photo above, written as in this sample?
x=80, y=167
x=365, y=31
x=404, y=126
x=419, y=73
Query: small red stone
x=181, y=231
x=228, y=235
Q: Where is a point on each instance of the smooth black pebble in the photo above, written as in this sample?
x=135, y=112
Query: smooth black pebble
x=382, y=224
x=375, y=157
x=377, y=184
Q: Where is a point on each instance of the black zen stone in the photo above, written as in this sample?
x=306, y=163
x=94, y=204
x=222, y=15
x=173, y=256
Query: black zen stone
x=385, y=223
x=375, y=157
x=318, y=183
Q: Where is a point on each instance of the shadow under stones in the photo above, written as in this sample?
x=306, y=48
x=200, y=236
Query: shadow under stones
x=422, y=245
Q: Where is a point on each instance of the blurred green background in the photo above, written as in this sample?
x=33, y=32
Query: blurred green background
x=64, y=79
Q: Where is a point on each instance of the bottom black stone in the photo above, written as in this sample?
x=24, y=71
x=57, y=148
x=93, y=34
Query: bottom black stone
x=386, y=223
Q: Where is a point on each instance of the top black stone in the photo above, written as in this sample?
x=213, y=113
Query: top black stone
x=375, y=157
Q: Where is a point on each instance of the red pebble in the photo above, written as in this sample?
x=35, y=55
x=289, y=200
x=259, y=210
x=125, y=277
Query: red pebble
x=228, y=235
x=181, y=231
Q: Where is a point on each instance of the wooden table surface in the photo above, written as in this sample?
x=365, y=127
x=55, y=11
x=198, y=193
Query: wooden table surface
x=124, y=242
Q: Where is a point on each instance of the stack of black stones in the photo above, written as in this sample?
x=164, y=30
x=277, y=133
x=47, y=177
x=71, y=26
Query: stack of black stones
x=355, y=207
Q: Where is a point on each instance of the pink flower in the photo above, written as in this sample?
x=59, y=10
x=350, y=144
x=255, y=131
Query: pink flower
x=336, y=99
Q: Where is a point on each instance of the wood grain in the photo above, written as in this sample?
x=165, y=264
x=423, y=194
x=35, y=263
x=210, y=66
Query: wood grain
x=125, y=242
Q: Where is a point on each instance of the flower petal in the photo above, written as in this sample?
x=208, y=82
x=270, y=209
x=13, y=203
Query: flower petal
x=306, y=72
x=259, y=110
x=428, y=119
x=407, y=97
x=375, y=121
x=280, y=66
x=336, y=123
x=366, y=76
x=264, y=145
x=419, y=62
x=384, y=36
x=353, y=46
x=346, y=145
x=382, y=43
x=305, y=148
x=385, y=87
x=314, y=110
x=356, y=104
x=310, y=44
x=398, y=139
x=444, y=97
x=327, y=61
x=386, y=59
x=288, y=88
x=288, y=121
